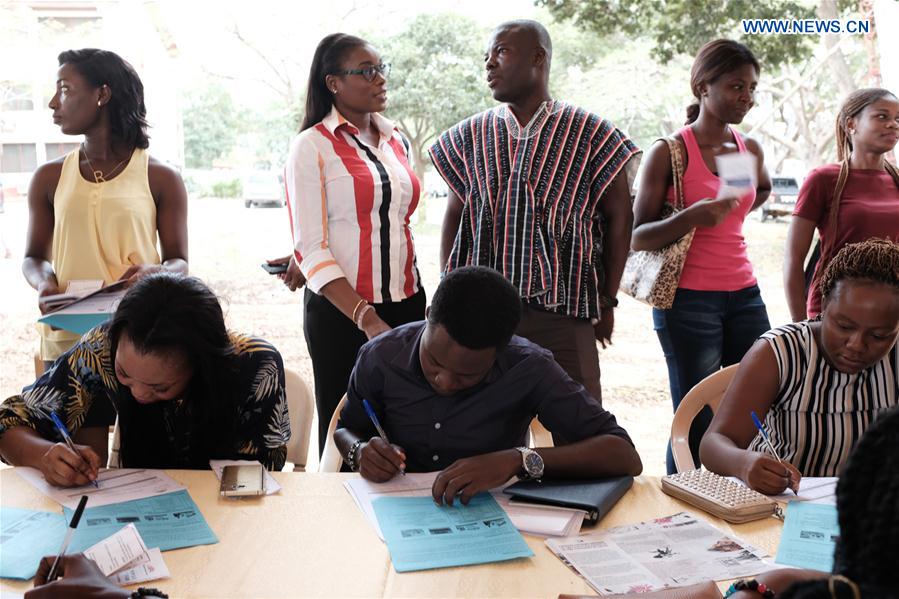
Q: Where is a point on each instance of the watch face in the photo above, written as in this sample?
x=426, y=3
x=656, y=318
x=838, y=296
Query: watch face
x=533, y=463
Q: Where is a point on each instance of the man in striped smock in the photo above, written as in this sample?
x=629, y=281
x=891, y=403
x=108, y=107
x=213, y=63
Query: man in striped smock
x=540, y=190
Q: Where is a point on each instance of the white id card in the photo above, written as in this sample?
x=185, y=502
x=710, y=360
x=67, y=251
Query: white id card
x=737, y=172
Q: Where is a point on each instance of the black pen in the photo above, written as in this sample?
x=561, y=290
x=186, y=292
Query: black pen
x=76, y=518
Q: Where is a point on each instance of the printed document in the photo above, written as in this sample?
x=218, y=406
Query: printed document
x=27, y=536
x=422, y=535
x=168, y=521
x=809, y=536
x=538, y=520
x=115, y=486
x=814, y=489
x=125, y=559
x=673, y=551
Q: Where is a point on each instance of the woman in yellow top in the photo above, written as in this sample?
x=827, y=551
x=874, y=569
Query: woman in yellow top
x=96, y=212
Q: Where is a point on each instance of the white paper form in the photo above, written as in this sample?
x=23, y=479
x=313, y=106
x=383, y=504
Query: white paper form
x=271, y=485
x=814, y=489
x=115, y=486
x=737, y=172
x=153, y=569
x=541, y=521
x=123, y=550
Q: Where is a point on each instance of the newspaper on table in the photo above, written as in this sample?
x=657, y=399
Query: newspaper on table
x=672, y=551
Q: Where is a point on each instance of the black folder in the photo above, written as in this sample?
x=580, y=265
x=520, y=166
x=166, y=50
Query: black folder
x=596, y=496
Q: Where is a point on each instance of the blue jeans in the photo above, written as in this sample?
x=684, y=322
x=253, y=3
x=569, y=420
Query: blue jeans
x=702, y=332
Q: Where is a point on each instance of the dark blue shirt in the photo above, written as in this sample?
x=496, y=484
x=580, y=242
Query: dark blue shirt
x=435, y=431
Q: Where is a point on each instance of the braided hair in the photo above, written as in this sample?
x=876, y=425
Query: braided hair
x=872, y=260
x=851, y=108
x=867, y=496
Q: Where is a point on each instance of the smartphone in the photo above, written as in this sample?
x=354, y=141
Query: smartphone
x=243, y=480
x=274, y=269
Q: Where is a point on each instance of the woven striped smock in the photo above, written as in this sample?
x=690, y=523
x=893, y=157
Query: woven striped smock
x=820, y=413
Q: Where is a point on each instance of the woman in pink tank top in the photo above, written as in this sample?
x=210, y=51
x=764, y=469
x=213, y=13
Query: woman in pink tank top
x=718, y=311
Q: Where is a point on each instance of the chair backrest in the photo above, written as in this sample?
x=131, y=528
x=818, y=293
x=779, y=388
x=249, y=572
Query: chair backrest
x=707, y=392
x=38, y=365
x=114, y=460
x=300, y=405
x=331, y=459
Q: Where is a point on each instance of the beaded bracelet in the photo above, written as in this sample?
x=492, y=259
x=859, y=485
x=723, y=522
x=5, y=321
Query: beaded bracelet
x=751, y=585
x=148, y=592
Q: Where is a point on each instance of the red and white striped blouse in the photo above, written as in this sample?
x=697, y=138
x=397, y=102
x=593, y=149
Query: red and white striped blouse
x=350, y=205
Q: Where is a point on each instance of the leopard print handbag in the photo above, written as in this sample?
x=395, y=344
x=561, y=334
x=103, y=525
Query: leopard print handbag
x=651, y=276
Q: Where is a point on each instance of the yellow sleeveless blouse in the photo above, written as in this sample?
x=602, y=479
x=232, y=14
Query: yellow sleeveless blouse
x=100, y=230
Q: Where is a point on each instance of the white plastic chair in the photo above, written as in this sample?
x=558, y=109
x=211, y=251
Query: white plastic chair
x=300, y=405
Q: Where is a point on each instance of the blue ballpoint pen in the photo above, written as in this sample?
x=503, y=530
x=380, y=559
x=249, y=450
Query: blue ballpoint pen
x=374, y=420
x=758, y=425
x=68, y=439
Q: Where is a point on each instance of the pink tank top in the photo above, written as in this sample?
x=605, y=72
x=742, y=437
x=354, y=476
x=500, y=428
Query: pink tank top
x=717, y=260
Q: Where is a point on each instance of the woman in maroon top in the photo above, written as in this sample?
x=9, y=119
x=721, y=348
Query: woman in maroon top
x=852, y=201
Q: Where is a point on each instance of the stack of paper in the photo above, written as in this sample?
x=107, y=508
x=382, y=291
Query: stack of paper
x=125, y=559
x=544, y=521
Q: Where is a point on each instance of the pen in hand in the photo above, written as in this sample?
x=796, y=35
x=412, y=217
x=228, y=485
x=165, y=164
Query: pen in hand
x=374, y=420
x=76, y=518
x=68, y=440
x=767, y=440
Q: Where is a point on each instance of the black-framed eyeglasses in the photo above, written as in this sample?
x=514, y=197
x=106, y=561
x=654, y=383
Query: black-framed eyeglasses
x=369, y=72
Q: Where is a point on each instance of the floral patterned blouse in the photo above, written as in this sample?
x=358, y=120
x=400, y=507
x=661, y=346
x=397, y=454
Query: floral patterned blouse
x=85, y=374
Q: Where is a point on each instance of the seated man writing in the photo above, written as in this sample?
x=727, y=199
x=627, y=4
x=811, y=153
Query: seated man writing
x=457, y=393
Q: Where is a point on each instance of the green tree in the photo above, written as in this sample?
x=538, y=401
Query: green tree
x=211, y=125
x=682, y=26
x=437, y=77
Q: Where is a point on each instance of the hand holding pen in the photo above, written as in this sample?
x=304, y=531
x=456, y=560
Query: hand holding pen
x=757, y=479
x=72, y=466
x=383, y=460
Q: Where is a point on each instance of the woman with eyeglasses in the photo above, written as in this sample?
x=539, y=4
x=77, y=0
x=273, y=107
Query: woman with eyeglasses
x=352, y=192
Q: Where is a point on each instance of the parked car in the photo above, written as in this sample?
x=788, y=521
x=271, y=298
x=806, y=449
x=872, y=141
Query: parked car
x=263, y=188
x=782, y=201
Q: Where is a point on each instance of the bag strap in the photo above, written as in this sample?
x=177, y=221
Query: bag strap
x=677, y=171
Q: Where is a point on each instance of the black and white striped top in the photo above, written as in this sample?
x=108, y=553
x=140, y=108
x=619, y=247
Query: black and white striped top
x=819, y=412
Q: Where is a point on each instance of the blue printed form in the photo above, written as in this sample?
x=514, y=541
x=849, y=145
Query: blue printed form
x=25, y=537
x=169, y=521
x=421, y=535
x=809, y=536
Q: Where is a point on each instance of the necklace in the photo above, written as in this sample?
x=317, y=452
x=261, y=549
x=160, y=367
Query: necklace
x=99, y=177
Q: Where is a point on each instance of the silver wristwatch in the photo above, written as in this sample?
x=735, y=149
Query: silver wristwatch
x=532, y=464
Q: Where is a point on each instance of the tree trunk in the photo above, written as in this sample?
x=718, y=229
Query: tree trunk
x=827, y=9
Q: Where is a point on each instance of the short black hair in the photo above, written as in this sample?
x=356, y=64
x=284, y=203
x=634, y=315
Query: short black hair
x=128, y=113
x=477, y=306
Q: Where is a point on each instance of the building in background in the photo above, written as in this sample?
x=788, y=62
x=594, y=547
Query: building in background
x=34, y=32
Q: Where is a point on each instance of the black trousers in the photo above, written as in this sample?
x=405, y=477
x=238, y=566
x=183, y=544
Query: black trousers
x=333, y=341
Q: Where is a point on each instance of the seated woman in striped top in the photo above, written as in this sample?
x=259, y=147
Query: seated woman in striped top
x=817, y=384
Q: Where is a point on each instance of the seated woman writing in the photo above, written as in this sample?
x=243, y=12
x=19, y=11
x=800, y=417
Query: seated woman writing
x=817, y=384
x=184, y=388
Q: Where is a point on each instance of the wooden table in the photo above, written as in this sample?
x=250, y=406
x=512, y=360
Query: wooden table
x=311, y=540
